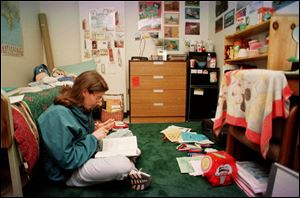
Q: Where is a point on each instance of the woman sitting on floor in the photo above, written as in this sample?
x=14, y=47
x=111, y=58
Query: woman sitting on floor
x=71, y=139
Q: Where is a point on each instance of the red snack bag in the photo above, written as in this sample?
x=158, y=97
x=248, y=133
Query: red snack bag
x=219, y=168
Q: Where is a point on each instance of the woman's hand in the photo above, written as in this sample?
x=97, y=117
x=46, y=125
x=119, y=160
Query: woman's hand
x=108, y=124
x=100, y=133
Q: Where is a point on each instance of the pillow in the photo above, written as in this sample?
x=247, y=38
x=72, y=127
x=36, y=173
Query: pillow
x=79, y=67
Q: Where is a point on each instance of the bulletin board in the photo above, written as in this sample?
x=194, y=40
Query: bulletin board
x=102, y=39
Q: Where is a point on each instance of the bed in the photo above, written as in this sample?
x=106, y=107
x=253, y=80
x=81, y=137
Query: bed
x=158, y=159
x=20, y=138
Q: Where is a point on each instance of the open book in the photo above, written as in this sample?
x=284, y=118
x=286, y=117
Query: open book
x=120, y=145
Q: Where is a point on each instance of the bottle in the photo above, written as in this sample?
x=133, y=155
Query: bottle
x=230, y=52
x=210, y=46
x=208, y=60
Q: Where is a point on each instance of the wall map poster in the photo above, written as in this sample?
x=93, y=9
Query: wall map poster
x=11, y=31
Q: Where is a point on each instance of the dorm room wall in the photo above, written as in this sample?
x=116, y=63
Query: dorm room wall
x=64, y=23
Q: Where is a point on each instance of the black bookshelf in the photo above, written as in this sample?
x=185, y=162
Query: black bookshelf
x=202, y=86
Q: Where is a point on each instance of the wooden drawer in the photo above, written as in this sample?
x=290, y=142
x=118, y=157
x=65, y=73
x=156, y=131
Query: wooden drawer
x=156, y=119
x=158, y=68
x=147, y=103
x=167, y=97
x=158, y=82
x=157, y=109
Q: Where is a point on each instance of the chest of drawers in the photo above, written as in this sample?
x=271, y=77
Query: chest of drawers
x=157, y=91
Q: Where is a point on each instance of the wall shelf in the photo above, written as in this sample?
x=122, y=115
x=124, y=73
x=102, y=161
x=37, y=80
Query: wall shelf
x=255, y=29
x=277, y=33
x=250, y=58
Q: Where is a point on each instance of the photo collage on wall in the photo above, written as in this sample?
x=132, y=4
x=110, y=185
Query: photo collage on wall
x=192, y=17
x=103, y=39
x=221, y=7
x=171, y=25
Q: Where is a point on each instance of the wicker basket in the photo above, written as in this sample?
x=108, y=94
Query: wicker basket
x=116, y=115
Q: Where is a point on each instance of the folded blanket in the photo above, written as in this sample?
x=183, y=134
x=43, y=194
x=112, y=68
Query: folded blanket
x=251, y=99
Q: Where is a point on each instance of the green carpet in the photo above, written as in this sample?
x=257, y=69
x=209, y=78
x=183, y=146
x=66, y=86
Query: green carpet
x=158, y=159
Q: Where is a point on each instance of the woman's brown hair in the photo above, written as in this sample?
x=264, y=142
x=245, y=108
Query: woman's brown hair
x=90, y=80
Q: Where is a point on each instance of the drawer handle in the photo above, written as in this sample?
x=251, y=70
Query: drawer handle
x=158, y=104
x=158, y=91
x=158, y=77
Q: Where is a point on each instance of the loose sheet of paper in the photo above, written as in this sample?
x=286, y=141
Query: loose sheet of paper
x=185, y=166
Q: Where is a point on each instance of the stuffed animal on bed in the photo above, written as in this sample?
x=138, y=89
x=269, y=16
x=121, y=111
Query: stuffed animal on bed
x=40, y=72
x=58, y=72
x=62, y=75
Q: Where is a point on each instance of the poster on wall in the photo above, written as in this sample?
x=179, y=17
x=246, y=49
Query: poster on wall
x=221, y=6
x=219, y=25
x=229, y=19
x=192, y=3
x=171, y=31
x=241, y=19
x=171, y=6
x=192, y=13
x=192, y=28
x=102, y=19
x=149, y=15
x=171, y=18
x=11, y=30
x=171, y=45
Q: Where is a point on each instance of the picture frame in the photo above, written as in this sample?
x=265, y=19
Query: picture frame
x=192, y=28
x=171, y=45
x=192, y=13
x=171, y=18
x=171, y=31
x=171, y=6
